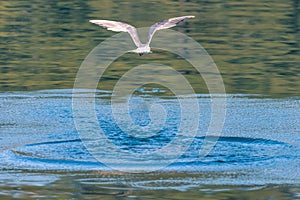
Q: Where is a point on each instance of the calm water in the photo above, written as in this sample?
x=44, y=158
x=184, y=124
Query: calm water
x=255, y=45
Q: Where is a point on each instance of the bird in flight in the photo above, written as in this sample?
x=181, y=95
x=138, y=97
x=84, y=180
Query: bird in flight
x=123, y=27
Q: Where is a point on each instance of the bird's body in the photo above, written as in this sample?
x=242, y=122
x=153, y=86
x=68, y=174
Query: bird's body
x=144, y=49
x=123, y=27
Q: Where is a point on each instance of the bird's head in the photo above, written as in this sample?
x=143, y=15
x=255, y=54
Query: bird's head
x=145, y=52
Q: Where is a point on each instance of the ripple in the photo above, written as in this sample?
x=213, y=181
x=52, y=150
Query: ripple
x=230, y=153
x=259, y=143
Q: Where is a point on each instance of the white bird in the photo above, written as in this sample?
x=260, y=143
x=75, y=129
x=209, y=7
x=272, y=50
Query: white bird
x=123, y=27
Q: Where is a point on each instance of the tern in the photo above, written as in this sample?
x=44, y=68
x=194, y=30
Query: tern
x=123, y=27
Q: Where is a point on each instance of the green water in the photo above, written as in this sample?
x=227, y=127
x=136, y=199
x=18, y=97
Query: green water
x=255, y=44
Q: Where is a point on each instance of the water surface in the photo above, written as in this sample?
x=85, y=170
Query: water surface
x=40, y=149
x=255, y=45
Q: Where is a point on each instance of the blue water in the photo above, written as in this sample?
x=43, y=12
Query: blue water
x=260, y=141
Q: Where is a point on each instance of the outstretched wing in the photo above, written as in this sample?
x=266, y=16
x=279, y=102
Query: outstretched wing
x=168, y=23
x=119, y=27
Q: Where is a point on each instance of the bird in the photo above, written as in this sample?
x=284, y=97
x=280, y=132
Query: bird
x=124, y=27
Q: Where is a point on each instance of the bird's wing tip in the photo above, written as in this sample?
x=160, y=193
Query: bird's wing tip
x=182, y=17
x=99, y=20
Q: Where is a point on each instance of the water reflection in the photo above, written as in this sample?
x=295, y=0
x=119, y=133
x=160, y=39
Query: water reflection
x=254, y=43
x=296, y=16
